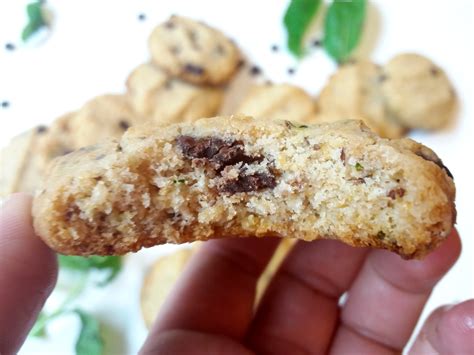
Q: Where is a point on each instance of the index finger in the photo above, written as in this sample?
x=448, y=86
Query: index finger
x=28, y=270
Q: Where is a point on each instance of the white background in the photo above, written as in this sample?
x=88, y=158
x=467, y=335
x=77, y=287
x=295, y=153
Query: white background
x=94, y=45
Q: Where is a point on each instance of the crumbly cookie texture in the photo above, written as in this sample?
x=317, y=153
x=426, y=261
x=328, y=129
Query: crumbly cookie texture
x=418, y=92
x=278, y=102
x=165, y=100
x=193, y=51
x=354, y=91
x=236, y=176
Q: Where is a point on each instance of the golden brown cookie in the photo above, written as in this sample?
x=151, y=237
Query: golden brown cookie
x=353, y=92
x=417, y=92
x=165, y=100
x=193, y=51
x=246, y=177
x=278, y=101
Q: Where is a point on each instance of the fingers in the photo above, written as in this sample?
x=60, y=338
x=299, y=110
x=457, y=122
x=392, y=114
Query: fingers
x=189, y=342
x=386, y=299
x=28, y=272
x=216, y=292
x=299, y=311
x=448, y=330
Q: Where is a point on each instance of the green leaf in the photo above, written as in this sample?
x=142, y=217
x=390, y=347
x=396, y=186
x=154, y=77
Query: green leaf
x=36, y=20
x=89, y=341
x=297, y=19
x=343, y=27
x=84, y=264
x=359, y=167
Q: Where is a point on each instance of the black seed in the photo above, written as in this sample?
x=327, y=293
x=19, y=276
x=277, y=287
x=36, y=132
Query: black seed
x=10, y=47
x=41, y=129
x=5, y=104
x=291, y=71
x=316, y=43
x=124, y=124
x=194, y=69
x=275, y=48
x=255, y=70
x=142, y=17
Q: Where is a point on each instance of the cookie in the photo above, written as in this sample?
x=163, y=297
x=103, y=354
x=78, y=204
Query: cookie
x=417, y=92
x=193, y=51
x=159, y=282
x=353, y=92
x=103, y=117
x=154, y=94
x=237, y=176
x=278, y=101
x=165, y=272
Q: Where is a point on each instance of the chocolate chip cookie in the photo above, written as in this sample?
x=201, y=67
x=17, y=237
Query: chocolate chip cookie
x=237, y=176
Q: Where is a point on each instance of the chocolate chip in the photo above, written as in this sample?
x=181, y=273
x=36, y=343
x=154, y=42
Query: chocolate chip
x=41, y=129
x=5, y=104
x=434, y=71
x=275, y=48
x=291, y=71
x=382, y=78
x=247, y=183
x=255, y=70
x=123, y=124
x=142, y=17
x=194, y=69
x=10, y=47
x=397, y=192
x=342, y=156
x=316, y=43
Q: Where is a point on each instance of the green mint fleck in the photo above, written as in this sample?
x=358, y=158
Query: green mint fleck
x=359, y=166
x=89, y=341
x=179, y=181
x=36, y=20
x=113, y=264
x=343, y=27
x=303, y=126
x=298, y=17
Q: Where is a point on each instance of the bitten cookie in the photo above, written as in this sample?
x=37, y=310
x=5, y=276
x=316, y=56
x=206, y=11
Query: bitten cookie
x=193, y=51
x=156, y=95
x=417, y=92
x=278, y=101
x=236, y=176
x=354, y=92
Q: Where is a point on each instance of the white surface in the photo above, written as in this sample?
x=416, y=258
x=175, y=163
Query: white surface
x=95, y=44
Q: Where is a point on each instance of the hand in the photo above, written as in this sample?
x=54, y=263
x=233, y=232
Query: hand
x=211, y=308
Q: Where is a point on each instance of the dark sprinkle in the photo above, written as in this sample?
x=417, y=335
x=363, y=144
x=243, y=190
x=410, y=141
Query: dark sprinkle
x=41, y=129
x=434, y=71
x=248, y=183
x=194, y=69
x=291, y=71
x=275, y=48
x=5, y=104
x=316, y=43
x=141, y=17
x=10, y=47
x=124, y=124
x=382, y=78
x=255, y=70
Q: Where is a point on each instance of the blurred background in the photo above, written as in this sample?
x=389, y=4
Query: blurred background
x=91, y=47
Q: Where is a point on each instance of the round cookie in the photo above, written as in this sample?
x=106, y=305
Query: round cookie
x=102, y=117
x=156, y=95
x=353, y=92
x=193, y=51
x=418, y=92
x=278, y=102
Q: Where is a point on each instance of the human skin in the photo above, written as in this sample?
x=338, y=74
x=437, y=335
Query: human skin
x=299, y=314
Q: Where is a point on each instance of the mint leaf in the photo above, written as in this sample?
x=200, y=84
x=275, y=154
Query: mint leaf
x=343, y=27
x=297, y=18
x=84, y=264
x=36, y=20
x=89, y=341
